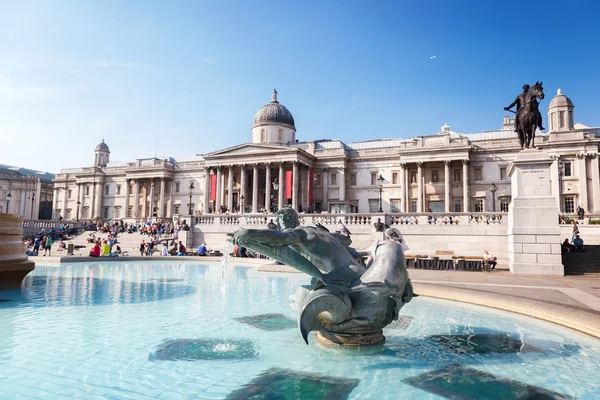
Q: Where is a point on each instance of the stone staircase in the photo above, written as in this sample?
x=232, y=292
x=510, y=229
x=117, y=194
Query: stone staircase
x=583, y=263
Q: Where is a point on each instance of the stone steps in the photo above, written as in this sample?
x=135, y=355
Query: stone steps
x=587, y=263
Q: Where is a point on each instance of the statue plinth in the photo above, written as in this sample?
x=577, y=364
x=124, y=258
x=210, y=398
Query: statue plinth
x=14, y=264
x=350, y=339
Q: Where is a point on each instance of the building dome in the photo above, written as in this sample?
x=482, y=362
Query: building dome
x=102, y=147
x=560, y=100
x=274, y=114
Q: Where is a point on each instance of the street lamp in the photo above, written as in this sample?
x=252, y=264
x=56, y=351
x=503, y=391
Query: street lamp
x=191, y=189
x=493, y=189
x=275, y=185
x=32, y=201
x=77, y=215
x=242, y=204
x=380, y=184
x=8, y=197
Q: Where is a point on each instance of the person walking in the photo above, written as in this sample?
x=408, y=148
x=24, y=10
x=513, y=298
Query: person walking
x=143, y=248
x=48, y=245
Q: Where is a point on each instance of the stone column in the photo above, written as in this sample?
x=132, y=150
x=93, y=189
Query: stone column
x=268, y=188
x=555, y=177
x=54, y=202
x=230, y=189
x=295, y=185
x=307, y=185
x=403, y=194
x=136, y=199
x=80, y=200
x=419, y=187
x=583, y=192
x=127, y=186
x=465, y=173
x=218, y=198
x=342, y=183
x=161, y=201
x=98, y=200
x=325, y=184
x=152, y=191
x=205, y=194
x=281, y=190
x=243, y=185
x=92, y=202
x=595, y=182
x=255, y=189
x=447, y=186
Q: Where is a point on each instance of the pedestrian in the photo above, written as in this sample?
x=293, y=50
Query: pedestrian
x=48, y=245
x=142, y=248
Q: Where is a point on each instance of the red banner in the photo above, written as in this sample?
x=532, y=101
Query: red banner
x=288, y=185
x=310, y=187
x=213, y=187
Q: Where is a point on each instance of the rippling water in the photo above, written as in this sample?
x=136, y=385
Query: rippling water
x=185, y=330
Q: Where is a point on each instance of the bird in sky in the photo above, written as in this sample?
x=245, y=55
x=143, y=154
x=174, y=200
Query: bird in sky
x=432, y=57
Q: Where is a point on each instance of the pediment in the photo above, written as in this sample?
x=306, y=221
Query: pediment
x=250, y=149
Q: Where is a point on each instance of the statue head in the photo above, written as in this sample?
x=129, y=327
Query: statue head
x=287, y=218
x=525, y=87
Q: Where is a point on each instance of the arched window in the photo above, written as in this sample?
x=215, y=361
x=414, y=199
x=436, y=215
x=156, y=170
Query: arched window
x=280, y=136
x=263, y=135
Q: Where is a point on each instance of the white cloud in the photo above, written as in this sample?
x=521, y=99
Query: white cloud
x=432, y=57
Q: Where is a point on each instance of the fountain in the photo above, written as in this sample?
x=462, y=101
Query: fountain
x=14, y=264
x=348, y=303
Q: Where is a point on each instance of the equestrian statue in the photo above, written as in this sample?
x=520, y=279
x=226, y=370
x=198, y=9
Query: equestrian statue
x=527, y=116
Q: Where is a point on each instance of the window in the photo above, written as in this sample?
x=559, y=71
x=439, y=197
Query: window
x=176, y=209
x=87, y=190
x=434, y=176
x=394, y=205
x=333, y=179
x=68, y=214
x=413, y=177
x=130, y=212
x=457, y=205
x=318, y=206
x=176, y=187
x=413, y=206
x=263, y=135
x=85, y=212
x=280, y=135
x=118, y=191
x=352, y=179
x=106, y=190
x=373, y=178
x=457, y=175
x=394, y=178
x=478, y=174
x=568, y=170
x=70, y=192
x=105, y=214
x=502, y=173
x=504, y=201
x=562, y=119
x=373, y=205
x=117, y=212
x=478, y=205
x=569, y=204
x=318, y=179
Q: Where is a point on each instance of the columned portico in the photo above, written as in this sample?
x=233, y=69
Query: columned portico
x=465, y=176
x=136, y=199
x=127, y=190
x=583, y=192
x=342, y=183
x=403, y=187
x=325, y=184
x=205, y=195
x=447, y=187
x=230, y=189
x=150, y=213
x=243, y=185
x=161, y=201
x=219, y=199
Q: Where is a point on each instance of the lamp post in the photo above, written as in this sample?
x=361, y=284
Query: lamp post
x=8, y=197
x=32, y=201
x=242, y=204
x=191, y=189
x=77, y=215
x=493, y=189
x=275, y=188
x=380, y=184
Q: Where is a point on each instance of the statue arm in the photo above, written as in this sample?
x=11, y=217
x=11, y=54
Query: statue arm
x=514, y=103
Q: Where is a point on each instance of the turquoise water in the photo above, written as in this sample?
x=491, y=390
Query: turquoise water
x=201, y=331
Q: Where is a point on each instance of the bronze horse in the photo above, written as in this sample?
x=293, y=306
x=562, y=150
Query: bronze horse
x=529, y=116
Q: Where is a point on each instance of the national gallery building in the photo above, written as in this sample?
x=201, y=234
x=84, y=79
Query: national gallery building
x=443, y=172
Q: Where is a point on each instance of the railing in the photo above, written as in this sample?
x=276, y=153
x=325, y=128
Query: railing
x=36, y=223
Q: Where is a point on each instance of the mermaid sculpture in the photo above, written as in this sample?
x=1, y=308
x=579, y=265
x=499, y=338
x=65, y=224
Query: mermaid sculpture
x=347, y=302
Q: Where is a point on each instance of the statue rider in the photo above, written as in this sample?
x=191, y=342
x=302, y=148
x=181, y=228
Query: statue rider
x=520, y=103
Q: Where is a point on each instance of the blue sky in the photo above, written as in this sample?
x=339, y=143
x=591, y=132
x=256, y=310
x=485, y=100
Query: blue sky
x=190, y=75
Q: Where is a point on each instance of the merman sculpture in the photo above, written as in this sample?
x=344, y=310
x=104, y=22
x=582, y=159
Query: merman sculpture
x=347, y=303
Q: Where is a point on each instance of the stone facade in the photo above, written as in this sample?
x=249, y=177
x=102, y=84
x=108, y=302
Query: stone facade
x=26, y=193
x=446, y=172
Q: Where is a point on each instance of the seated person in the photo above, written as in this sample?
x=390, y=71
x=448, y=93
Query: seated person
x=202, y=249
x=95, y=251
x=117, y=250
x=62, y=246
x=164, y=250
x=105, y=251
x=181, y=250
x=567, y=247
x=578, y=243
x=490, y=259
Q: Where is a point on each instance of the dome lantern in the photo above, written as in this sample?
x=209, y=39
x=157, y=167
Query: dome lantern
x=560, y=113
x=273, y=123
